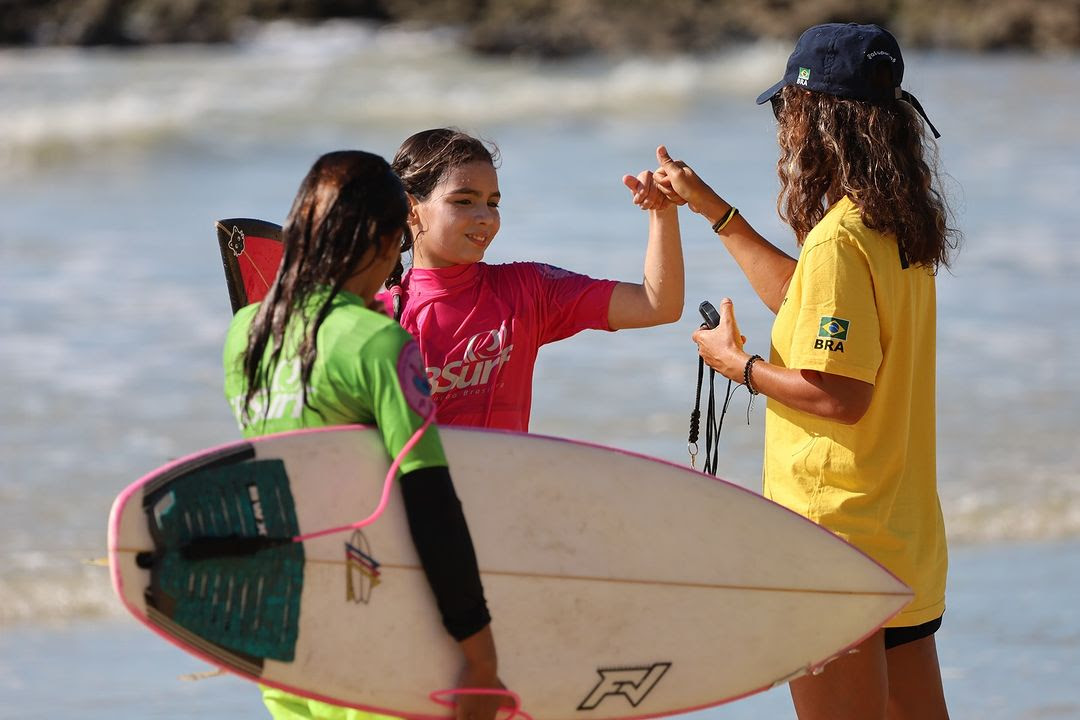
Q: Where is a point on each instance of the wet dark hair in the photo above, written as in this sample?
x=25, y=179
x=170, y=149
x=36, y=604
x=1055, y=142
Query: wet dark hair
x=427, y=157
x=422, y=162
x=349, y=203
x=875, y=153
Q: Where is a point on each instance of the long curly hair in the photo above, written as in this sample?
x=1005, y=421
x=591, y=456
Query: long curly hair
x=349, y=204
x=875, y=153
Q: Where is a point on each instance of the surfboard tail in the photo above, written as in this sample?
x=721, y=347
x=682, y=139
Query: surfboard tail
x=251, y=252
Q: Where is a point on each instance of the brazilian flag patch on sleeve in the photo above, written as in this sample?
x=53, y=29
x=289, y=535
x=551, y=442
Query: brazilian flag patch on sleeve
x=832, y=332
x=833, y=327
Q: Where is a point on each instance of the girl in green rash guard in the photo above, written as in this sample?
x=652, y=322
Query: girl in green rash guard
x=317, y=351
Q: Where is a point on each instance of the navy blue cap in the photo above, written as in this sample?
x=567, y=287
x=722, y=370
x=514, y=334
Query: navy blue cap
x=845, y=60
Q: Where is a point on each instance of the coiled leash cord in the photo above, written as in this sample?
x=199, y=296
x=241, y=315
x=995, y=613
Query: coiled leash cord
x=712, y=424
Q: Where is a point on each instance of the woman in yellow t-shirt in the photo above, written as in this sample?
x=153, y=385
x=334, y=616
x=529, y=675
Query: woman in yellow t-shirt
x=850, y=434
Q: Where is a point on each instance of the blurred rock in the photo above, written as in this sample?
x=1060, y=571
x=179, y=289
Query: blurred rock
x=559, y=28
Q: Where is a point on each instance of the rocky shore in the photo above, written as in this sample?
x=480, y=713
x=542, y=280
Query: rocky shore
x=558, y=28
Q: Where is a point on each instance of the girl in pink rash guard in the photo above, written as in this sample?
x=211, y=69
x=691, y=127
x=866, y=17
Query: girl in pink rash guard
x=480, y=326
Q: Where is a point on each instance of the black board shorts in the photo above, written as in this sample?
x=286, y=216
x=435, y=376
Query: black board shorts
x=896, y=636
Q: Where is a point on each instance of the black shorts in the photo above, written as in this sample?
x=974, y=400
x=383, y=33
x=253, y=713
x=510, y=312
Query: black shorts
x=896, y=636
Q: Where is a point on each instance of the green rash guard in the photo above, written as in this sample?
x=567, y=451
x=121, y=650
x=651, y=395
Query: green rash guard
x=367, y=371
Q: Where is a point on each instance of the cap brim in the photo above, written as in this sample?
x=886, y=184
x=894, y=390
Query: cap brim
x=768, y=94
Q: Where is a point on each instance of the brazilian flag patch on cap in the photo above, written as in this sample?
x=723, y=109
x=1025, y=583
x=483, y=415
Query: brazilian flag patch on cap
x=833, y=327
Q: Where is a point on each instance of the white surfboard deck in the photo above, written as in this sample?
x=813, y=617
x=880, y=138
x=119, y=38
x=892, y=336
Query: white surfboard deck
x=620, y=586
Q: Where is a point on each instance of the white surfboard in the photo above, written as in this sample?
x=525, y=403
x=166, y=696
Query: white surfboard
x=620, y=586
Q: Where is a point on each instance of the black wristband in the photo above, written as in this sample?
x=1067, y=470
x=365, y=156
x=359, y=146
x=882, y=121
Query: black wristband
x=746, y=373
x=722, y=222
x=438, y=529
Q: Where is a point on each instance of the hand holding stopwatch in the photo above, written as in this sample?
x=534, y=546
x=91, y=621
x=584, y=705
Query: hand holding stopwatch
x=712, y=319
x=709, y=314
x=712, y=426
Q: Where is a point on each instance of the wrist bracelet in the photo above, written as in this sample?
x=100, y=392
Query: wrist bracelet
x=746, y=373
x=722, y=222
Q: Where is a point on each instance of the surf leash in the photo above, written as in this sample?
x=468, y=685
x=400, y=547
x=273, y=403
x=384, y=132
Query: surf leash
x=441, y=697
x=388, y=484
x=205, y=548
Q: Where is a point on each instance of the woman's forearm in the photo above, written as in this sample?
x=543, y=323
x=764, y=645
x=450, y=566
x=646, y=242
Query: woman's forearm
x=767, y=267
x=833, y=397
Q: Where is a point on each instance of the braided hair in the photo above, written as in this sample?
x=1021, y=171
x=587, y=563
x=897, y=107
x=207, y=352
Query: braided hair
x=348, y=206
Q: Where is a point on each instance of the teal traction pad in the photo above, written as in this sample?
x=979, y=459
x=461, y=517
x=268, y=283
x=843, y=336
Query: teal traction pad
x=246, y=596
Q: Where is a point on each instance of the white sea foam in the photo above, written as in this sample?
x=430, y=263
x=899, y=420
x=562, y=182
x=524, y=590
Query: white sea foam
x=288, y=77
x=1012, y=503
x=44, y=587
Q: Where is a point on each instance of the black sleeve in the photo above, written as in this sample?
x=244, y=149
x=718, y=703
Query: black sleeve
x=446, y=552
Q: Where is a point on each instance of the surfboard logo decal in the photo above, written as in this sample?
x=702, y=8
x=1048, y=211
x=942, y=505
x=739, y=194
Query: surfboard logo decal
x=361, y=569
x=633, y=683
x=236, y=241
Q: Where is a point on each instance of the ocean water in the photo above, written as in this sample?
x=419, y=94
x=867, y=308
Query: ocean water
x=114, y=165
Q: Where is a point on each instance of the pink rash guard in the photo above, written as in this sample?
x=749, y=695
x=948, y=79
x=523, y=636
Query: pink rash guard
x=480, y=326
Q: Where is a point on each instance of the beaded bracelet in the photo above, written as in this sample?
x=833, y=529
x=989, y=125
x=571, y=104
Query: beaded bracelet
x=746, y=373
x=722, y=222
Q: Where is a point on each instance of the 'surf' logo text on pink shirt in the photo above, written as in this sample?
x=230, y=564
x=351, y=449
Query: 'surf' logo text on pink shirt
x=484, y=352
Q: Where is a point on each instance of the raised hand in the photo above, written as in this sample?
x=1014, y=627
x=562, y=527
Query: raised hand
x=680, y=184
x=646, y=194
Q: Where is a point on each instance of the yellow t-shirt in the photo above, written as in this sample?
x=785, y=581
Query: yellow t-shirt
x=852, y=309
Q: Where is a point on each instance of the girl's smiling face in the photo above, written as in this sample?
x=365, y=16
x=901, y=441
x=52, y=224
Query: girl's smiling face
x=459, y=219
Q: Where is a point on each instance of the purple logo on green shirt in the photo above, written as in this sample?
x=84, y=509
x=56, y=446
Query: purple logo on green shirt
x=413, y=379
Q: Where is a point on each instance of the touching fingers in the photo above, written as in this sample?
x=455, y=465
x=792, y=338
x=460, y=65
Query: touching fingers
x=662, y=156
x=662, y=180
x=650, y=197
x=636, y=187
x=647, y=194
x=646, y=179
x=670, y=195
x=667, y=163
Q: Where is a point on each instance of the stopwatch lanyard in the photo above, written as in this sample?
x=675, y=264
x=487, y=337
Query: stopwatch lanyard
x=712, y=425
